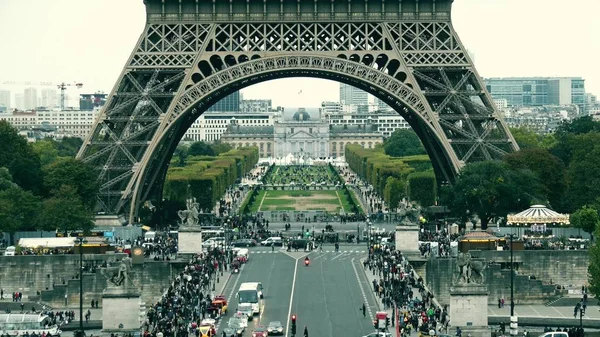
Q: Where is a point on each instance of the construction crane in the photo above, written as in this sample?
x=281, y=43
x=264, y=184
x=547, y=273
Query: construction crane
x=62, y=86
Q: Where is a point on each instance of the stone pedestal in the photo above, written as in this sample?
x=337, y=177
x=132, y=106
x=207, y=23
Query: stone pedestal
x=469, y=309
x=407, y=239
x=189, y=240
x=122, y=309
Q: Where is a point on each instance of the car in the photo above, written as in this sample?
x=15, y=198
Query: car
x=246, y=309
x=237, y=327
x=275, y=328
x=379, y=334
x=260, y=331
x=228, y=332
x=275, y=240
x=239, y=319
x=244, y=243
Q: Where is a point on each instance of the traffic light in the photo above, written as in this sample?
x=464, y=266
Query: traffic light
x=387, y=322
x=293, y=324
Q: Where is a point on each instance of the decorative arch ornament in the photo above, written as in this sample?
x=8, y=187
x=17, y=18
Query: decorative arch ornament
x=190, y=55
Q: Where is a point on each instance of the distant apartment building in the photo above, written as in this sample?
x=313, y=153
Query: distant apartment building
x=538, y=91
x=30, y=99
x=501, y=103
x=230, y=103
x=211, y=125
x=73, y=123
x=331, y=108
x=256, y=105
x=350, y=95
x=20, y=101
x=5, y=99
x=385, y=124
x=49, y=98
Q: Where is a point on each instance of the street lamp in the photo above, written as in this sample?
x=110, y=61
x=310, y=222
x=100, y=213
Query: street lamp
x=80, y=241
x=513, y=320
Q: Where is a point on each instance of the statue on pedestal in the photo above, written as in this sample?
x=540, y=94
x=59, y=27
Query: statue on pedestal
x=190, y=216
x=119, y=276
x=469, y=270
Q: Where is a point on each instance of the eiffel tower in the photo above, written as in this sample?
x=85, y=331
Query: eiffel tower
x=192, y=53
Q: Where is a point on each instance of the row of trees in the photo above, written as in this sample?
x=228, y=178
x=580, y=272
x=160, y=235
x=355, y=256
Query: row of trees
x=42, y=186
x=206, y=178
x=394, y=178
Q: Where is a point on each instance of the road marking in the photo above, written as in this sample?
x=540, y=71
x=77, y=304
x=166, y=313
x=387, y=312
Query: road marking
x=362, y=289
x=558, y=312
x=537, y=312
x=291, y=298
x=337, y=256
x=218, y=325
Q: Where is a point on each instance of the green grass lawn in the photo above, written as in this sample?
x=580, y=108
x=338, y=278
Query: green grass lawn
x=301, y=201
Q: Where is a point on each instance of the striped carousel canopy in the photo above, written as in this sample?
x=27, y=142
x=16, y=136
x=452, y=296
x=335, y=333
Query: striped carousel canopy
x=538, y=214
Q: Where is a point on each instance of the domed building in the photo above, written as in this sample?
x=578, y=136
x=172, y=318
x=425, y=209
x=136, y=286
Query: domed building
x=302, y=135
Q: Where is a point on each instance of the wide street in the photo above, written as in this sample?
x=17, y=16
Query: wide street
x=326, y=296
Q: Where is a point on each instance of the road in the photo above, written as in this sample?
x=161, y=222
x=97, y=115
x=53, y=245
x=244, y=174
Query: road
x=326, y=296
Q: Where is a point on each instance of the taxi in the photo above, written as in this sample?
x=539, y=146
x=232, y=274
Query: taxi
x=221, y=303
x=207, y=330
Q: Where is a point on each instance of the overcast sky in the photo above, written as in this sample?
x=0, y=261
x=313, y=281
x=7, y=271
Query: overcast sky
x=89, y=41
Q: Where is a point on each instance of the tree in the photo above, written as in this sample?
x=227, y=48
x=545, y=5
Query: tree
x=75, y=173
x=549, y=169
x=12, y=145
x=491, y=189
x=46, y=150
x=19, y=210
x=583, y=174
x=577, y=126
x=69, y=146
x=525, y=137
x=220, y=147
x=65, y=212
x=200, y=149
x=6, y=181
x=586, y=218
x=403, y=143
x=393, y=192
x=27, y=173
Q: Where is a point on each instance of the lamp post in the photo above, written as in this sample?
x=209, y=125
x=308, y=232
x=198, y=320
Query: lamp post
x=513, y=319
x=80, y=241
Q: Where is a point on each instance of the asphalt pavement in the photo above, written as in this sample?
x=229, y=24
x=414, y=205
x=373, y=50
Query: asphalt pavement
x=329, y=295
x=275, y=270
x=326, y=296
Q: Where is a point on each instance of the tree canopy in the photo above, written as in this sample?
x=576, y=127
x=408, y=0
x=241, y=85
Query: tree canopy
x=403, y=143
x=75, y=173
x=491, y=189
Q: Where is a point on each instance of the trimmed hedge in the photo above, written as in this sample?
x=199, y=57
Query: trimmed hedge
x=206, y=178
x=422, y=188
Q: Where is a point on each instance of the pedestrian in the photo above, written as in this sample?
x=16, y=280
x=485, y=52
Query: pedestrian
x=364, y=310
x=305, y=331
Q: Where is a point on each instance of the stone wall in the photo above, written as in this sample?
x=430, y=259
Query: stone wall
x=567, y=268
x=56, y=276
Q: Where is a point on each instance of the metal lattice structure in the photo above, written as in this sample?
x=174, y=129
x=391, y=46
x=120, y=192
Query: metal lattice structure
x=194, y=52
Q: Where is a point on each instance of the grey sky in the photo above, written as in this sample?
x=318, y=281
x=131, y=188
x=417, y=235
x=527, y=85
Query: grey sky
x=89, y=41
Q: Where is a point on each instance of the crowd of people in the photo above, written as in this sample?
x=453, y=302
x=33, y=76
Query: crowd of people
x=184, y=304
x=301, y=175
x=398, y=288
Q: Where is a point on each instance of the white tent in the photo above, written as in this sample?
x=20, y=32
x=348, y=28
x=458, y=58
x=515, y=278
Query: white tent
x=47, y=242
x=538, y=217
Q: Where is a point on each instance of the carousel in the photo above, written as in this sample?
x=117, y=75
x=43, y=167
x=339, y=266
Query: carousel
x=538, y=218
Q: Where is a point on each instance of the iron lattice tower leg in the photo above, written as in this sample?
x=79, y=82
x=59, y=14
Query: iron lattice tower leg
x=193, y=53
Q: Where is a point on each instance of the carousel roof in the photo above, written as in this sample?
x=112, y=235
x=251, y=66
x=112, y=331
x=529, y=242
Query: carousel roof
x=538, y=214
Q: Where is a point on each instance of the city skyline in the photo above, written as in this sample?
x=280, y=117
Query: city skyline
x=62, y=28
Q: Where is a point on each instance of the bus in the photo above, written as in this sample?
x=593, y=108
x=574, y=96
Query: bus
x=251, y=293
x=19, y=324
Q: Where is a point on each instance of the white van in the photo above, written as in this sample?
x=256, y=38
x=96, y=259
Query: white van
x=251, y=293
x=10, y=251
x=149, y=236
x=275, y=240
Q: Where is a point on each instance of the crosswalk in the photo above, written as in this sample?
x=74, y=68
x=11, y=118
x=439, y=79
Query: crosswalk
x=312, y=252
